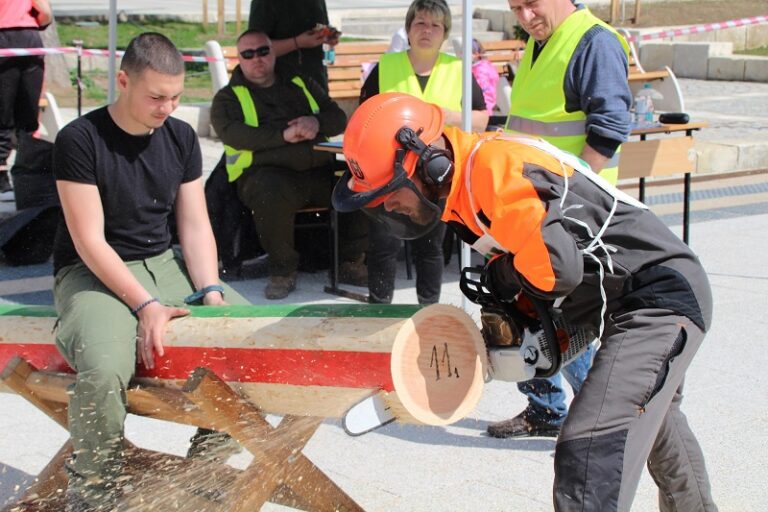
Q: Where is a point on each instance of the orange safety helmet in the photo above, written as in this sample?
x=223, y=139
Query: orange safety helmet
x=387, y=140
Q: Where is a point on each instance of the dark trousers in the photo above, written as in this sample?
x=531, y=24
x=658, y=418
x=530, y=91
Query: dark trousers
x=21, y=81
x=274, y=195
x=382, y=264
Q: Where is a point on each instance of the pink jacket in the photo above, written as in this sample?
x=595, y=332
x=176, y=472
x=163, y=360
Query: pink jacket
x=487, y=77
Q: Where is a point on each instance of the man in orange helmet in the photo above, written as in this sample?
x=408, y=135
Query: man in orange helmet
x=556, y=231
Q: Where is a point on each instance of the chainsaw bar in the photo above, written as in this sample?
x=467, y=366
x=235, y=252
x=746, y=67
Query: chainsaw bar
x=367, y=415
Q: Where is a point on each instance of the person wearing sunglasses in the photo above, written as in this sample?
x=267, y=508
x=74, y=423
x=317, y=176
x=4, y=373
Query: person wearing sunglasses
x=269, y=118
x=555, y=230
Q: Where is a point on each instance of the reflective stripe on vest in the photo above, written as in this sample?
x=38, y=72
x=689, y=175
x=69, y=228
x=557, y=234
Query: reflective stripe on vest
x=239, y=160
x=443, y=88
x=538, y=96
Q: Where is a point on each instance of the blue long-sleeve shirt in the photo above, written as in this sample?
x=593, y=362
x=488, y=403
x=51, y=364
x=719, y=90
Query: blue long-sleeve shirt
x=596, y=84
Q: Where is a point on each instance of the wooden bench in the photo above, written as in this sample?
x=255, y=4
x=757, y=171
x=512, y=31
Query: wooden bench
x=505, y=55
x=345, y=75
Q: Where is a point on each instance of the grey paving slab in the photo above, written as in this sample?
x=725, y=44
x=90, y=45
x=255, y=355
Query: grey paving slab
x=457, y=468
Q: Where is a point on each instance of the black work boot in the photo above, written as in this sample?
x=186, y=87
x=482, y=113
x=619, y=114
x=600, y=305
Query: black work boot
x=522, y=426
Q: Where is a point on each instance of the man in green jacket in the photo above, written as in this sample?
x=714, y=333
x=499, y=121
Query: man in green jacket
x=269, y=121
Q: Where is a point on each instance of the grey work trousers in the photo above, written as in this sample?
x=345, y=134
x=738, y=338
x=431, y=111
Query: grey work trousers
x=627, y=413
x=97, y=336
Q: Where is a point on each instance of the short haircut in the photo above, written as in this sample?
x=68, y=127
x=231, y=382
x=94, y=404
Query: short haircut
x=437, y=8
x=154, y=51
x=253, y=32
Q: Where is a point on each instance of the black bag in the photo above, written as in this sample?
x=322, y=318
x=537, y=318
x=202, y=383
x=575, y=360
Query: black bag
x=32, y=172
x=27, y=237
x=236, y=237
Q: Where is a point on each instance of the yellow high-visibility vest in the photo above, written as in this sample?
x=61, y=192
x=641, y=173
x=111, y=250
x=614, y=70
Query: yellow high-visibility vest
x=538, y=99
x=443, y=88
x=238, y=160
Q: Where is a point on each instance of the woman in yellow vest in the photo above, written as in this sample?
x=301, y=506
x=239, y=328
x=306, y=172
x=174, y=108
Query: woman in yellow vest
x=430, y=75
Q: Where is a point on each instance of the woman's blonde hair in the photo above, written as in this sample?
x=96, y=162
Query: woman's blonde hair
x=437, y=8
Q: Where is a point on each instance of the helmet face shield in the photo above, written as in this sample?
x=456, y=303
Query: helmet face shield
x=411, y=222
x=344, y=199
x=411, y=215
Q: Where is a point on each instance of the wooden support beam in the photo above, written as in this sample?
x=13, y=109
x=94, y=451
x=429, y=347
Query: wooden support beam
x=50, y=482
x=15, y=375
x=615, y=10
x=220, y=21
x=238, y=17
x=277, y=449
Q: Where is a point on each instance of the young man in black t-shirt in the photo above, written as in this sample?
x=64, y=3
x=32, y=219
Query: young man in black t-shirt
x=120, y=171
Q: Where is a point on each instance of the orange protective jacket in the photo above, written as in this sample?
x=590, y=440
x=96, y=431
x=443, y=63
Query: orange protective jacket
x=572, y=236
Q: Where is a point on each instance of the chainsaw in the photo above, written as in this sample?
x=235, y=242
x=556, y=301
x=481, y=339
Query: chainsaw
x=526, y=337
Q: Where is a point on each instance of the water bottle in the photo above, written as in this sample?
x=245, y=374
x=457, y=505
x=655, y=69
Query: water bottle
x=641, y=109
x=329, y=54
x=644, y=106
x=648, y=109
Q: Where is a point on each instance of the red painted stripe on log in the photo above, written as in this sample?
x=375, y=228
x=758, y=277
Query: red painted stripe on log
x=272, y=366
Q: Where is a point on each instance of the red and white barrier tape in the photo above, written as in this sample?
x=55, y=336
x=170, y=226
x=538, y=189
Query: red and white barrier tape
x=693, y=29
x=698, y=29
x=24, y=52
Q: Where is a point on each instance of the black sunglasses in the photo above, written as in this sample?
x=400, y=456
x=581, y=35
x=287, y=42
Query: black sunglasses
x=261, y=51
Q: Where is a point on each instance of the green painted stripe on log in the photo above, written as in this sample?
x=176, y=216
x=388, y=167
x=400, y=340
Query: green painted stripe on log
x=246, y=311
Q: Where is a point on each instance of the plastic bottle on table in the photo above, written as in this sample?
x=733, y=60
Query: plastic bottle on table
x=644, y=106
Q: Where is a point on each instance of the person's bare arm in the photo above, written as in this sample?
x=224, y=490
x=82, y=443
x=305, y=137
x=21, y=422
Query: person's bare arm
x=308, y=39
x=595, y=160
x=197, y=241
x=44, y=14
x=84, y=215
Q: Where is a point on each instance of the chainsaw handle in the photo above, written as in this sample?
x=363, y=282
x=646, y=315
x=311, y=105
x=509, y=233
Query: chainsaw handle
x=548, y=326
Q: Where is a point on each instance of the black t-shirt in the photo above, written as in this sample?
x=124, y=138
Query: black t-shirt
x=138, y=178
x=281, y=19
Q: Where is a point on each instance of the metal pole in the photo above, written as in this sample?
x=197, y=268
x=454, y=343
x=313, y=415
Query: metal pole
x=112, y=68
x=79, y=45
x=466, y=108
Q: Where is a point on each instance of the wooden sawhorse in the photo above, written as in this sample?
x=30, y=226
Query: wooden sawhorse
x=279, y=472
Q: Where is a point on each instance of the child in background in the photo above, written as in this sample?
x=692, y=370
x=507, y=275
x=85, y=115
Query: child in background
x=486, y=75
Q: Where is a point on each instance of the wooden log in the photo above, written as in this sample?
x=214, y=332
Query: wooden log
x=316, y=360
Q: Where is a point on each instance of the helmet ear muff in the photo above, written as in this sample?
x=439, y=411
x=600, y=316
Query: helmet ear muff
x=434, y=166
